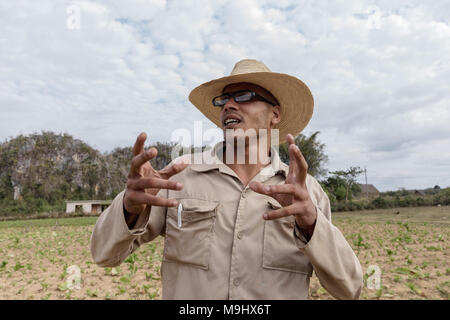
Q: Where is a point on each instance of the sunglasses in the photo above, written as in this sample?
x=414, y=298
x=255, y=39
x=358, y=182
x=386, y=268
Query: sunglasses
x=238, y=97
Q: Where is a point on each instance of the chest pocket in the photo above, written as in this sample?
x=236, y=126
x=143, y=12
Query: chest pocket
x=279, y=249
x=190, y=243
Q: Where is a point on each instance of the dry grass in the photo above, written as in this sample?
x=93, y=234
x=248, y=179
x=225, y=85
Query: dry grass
x=410, y=248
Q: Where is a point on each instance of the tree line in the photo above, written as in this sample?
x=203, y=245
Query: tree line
x=38, y=173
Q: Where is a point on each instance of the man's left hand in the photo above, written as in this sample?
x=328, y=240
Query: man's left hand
x=293, y=194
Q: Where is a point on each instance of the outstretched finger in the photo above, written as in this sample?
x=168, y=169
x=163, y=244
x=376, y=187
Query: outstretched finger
x=163, y=202
x=302, y=165
x=271, y=190
x=145, y=198
x=293, y=166
x=279, y=213
x=175, y=168
x=292, y=163
x=290, y=139
x=266, y=190
x=142, y=158
x=139, y=144
x=257, y=187
x=148, y=183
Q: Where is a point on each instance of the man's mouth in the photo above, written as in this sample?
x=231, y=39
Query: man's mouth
x=231, y=122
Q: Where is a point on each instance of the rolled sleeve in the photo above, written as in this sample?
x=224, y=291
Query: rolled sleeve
x=111, y=239
x=334, y=262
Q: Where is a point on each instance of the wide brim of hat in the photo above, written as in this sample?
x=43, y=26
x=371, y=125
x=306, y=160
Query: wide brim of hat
x=295, y=99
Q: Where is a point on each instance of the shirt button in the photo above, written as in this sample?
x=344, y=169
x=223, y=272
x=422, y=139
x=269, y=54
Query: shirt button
x=239, y=235
x=237, y=282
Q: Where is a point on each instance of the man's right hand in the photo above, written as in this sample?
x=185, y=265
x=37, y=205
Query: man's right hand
x=144, y=182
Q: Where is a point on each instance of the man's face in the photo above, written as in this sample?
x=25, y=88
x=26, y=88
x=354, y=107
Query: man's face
x=254, y=114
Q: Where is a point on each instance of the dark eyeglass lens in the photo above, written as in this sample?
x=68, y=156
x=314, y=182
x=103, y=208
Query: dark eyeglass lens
x=220, y=101
x=238, y=97
x=243, y=96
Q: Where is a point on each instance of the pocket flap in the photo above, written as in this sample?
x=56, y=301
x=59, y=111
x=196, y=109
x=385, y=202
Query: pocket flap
x=198, y=205
x=195, y=210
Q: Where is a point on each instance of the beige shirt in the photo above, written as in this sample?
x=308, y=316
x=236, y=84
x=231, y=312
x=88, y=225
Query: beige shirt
x=224, y=248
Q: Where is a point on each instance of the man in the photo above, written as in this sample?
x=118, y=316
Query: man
x=235, y=229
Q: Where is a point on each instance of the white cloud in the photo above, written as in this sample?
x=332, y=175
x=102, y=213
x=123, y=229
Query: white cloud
x=378, y=71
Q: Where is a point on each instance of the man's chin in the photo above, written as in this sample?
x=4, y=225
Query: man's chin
x=238, y=136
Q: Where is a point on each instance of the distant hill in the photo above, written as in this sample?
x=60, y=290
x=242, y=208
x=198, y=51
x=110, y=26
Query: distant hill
x=46, y=169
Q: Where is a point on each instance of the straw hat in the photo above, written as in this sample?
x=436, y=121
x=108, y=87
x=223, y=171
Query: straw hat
x=295, y=98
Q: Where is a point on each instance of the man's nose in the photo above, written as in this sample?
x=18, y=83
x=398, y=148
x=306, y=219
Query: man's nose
x=231, y=104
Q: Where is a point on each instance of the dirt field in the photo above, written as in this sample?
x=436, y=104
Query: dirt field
x=409, y=246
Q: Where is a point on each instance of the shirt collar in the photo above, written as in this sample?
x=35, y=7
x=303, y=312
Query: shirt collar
x=212, y=159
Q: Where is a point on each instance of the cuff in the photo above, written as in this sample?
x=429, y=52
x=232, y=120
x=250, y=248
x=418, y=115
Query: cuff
x=141, y=223
x=298, y=233
x=111, y=240
x=300, y=239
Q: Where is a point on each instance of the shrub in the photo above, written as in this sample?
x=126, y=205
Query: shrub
x=419, y=202
x=380, y=203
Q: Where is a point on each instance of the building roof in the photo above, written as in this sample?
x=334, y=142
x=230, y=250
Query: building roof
x=368, y=188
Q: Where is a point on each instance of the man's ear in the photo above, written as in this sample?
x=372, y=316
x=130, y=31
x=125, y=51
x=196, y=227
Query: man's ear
x=276, y=115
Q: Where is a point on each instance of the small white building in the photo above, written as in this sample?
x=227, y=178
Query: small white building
x=87, y=206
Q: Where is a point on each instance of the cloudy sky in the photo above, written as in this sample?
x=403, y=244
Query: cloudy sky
x=103, y=71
